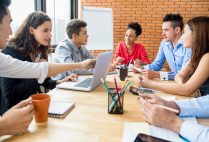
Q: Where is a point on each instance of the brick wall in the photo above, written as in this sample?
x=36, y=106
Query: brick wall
x=149, y=14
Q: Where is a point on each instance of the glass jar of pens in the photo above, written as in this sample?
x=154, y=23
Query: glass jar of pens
x=116, y=97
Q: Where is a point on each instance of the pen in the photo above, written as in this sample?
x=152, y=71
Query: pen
x=122, y=91
x=183, y=138
x=114, y=101
x=124, y=82
x=123, y=85
x=120, y=94
x=116, y=87
x=168, y=108
x=129, y=63
x=105, y=85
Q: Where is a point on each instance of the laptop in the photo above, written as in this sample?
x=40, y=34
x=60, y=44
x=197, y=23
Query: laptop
x=89, y=83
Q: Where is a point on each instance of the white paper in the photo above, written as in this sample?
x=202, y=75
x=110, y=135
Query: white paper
x=169, y=98
x=132, y=129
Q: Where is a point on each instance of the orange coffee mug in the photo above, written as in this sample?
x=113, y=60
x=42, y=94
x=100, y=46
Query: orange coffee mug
x=41, y=106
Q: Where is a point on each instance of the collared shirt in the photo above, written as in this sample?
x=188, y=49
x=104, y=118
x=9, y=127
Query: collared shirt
x=176, y=57
x=67, y=52
x=10, y=67
x=138, y=52
x=196, y=107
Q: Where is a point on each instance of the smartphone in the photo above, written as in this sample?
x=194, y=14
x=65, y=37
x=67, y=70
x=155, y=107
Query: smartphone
x=134, y=90
x=143, y=90
x=147, y=138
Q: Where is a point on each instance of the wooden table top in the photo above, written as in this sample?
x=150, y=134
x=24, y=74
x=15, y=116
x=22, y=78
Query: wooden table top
x=89, y=121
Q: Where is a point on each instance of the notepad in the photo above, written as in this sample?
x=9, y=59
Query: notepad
x=58, y=109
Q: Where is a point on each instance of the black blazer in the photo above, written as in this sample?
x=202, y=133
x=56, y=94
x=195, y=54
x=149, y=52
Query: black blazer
x=14, y=90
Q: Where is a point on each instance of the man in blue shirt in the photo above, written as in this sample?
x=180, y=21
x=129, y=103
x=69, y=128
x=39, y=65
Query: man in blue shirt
x=171, y=50
x=72, y=50
x=196, y=107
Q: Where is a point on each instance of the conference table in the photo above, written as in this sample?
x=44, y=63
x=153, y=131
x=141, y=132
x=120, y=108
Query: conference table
x=89, y=121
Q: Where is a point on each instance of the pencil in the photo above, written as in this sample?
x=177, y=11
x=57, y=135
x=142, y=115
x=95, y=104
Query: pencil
x=168, y=108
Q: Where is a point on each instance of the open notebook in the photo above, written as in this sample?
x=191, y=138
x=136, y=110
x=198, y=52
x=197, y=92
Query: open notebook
x=59, y=109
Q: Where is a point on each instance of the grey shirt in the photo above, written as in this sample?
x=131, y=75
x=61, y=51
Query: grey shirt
x=67, y=52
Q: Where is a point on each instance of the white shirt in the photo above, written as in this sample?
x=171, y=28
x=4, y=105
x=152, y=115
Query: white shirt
x=10, y=67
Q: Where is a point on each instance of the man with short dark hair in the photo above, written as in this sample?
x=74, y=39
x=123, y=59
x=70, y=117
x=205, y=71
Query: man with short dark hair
x=171, y=50
x=72, y=50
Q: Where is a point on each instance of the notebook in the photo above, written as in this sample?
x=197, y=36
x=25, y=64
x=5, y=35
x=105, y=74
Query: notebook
x=59, y=109
x=88, y=84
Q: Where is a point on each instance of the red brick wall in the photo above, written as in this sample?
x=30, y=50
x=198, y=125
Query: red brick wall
x=149, y=14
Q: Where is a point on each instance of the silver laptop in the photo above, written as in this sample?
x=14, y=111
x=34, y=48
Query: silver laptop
x=90, y=83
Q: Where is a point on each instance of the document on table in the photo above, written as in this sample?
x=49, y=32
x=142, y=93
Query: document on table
x=132, y=129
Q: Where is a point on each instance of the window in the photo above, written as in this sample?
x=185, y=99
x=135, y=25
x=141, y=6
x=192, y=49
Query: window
x=61, y=11
x=20, y=10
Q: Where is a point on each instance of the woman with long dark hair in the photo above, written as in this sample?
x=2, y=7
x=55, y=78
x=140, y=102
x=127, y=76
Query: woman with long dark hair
x=31, y=42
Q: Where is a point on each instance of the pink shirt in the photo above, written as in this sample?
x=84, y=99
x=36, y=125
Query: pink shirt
x=138, y=52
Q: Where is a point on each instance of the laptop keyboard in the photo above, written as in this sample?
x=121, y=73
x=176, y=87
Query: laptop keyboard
x=85, y=83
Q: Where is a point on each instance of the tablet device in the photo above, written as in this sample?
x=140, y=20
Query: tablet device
x=147, y=138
